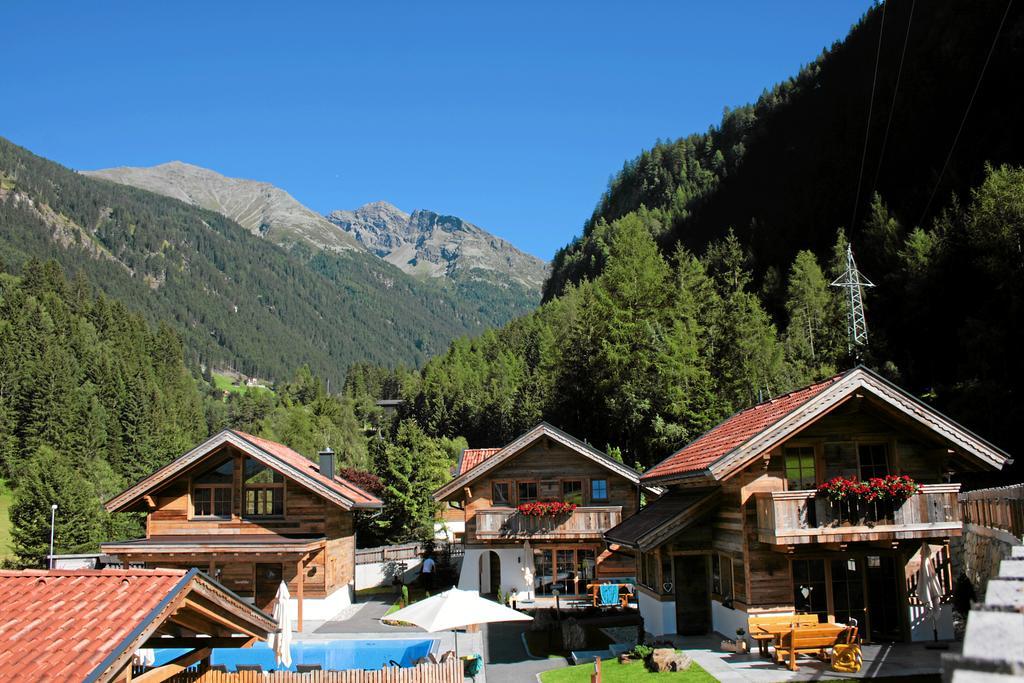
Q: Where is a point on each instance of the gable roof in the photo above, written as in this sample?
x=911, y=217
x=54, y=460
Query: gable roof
x=736, y=441
x=471, y=457
x=523, y=442
x=277, y=456
x=85, y=625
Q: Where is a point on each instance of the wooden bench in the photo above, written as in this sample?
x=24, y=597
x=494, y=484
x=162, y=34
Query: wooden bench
x=811, y=640
x=765, y=629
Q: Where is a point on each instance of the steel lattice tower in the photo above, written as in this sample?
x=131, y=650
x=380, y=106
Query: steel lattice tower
x=854, y=282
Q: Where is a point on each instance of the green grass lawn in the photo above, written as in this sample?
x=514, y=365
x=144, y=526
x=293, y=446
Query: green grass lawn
x=225, y=383
x=5, y=522
x=613, y=672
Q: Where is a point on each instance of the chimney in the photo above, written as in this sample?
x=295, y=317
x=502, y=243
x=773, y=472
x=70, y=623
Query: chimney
x=327, y=463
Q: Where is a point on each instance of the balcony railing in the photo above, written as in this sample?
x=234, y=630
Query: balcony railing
x=795, y=517
x=583, y=522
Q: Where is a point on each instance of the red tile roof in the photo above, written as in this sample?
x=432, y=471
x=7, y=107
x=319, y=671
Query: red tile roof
x=471, y=457
x=301, y=462
x=735, y=431
x=61, y=625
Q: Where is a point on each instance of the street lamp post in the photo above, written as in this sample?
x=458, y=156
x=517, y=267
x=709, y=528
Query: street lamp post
x=53, y=519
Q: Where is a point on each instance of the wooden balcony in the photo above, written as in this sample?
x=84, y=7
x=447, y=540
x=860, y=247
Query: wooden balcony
x=798, y=517
x=583, y=522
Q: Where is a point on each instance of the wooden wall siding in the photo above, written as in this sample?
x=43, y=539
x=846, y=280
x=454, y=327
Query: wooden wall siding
x=794, y=517
x=340, y=557
x=447, y=672
x=547, y=463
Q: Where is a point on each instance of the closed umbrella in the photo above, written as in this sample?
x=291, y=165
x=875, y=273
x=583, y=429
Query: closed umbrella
x=528, y=570
x=454, y=609
x=929, y=592
x=281, y=642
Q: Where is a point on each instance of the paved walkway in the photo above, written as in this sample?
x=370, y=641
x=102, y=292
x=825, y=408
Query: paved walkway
x=880, y=661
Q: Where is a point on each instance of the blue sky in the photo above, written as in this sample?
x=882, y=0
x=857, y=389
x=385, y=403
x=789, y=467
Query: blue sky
x=510, y=115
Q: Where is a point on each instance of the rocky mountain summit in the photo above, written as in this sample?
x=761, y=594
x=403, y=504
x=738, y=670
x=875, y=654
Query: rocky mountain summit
x=261, y=208
x=429, y=244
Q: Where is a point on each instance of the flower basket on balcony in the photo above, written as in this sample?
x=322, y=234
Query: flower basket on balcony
x=552, y=508
x=868, y=502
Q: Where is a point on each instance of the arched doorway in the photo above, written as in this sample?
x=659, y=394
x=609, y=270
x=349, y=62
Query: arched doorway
x=490, y=573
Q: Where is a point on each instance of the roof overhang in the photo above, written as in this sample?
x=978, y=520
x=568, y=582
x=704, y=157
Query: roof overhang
x=634, y=532
x=170, y=471
x=528, y=439
x=860, y=381
x=194, y=595
x=213, y=544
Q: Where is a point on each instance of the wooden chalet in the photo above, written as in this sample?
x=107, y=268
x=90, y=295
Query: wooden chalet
x=86, y=624
x=251, y=513
x=506, y=549
x=743, y=530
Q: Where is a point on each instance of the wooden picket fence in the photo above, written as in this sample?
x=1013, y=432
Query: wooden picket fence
x=405, y=551
x=444, y=672
x=996, y=508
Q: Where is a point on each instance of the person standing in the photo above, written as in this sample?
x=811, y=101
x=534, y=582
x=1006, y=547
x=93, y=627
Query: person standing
x=427, y=572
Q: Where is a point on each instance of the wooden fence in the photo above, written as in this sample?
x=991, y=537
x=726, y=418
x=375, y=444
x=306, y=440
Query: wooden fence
x=996, y=508
x=444, y=672
x=404, y=551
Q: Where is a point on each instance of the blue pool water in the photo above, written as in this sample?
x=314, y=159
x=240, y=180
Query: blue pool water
x=329, y=654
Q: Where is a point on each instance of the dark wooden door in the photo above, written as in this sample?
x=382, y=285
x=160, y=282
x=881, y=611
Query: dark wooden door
x=268, y=579
x=495, y=567
x=693, y=604
x=883, y=599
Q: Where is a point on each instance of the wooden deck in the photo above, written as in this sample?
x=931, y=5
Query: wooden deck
x=799, y=517
x=583, y=522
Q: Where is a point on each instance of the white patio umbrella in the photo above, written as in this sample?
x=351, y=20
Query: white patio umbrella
x=454, y=609
x=528, y=569
x=281, y=642
x=929, y=592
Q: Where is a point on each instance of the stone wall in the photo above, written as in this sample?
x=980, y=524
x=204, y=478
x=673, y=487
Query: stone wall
x=979, y=552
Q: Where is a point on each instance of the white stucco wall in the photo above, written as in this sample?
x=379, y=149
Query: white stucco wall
x=477, y=576
x=659, y=617
x=321, y=609
x=725, y=621
x=374, y=574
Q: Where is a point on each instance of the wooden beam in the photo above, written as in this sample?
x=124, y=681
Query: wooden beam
x=198, y=643
x=300, y=591
x=162, y=673
x=214, y=617
x=150, y=503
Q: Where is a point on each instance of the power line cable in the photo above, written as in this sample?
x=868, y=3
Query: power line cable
x=867, y=127
x=967, y=111
x=895, y=91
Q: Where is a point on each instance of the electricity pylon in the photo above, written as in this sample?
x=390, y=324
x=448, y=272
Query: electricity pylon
x=854, y=282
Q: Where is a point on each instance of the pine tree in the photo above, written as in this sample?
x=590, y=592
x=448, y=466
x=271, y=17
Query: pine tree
x=814, y=335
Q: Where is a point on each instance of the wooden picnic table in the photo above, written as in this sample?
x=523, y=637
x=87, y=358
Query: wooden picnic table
x=766, y=630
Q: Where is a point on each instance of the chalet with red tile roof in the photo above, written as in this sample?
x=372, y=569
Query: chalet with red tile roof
x=744, y=528
x=508, y=549
x=251, y=512
x=85, y=625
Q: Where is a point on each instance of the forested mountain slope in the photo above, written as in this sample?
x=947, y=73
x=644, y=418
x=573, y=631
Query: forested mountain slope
x=935, y=228
x=236, y=299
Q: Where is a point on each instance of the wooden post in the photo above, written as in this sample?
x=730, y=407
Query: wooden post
x=299, y=588
x=596, y=676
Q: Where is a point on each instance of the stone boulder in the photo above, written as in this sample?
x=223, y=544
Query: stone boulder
x=667, y=659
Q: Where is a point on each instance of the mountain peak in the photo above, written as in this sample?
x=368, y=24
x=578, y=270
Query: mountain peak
x=261, y=208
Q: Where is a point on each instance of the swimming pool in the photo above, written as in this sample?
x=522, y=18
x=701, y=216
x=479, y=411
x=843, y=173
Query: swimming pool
x=329, y=654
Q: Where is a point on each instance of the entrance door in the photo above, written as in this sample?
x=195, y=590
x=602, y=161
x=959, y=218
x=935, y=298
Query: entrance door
x=693, y=605
x=495, y=571
x=268, y=579
x=883, y=599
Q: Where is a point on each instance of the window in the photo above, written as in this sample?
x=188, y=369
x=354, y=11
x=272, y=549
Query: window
x=500, y=493
x=572, y=492
x=649, y=570
x=527, y=491
x=874, y=461
x=211, y=491
x=727, y=578
x=721, y=575
x=599, y=490
x=716, y=574
x=800, y=474
x=848, y=590
x=810, y=595
x=264, y=490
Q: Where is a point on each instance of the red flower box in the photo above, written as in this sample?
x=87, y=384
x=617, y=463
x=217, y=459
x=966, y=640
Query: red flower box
x=552, y=508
